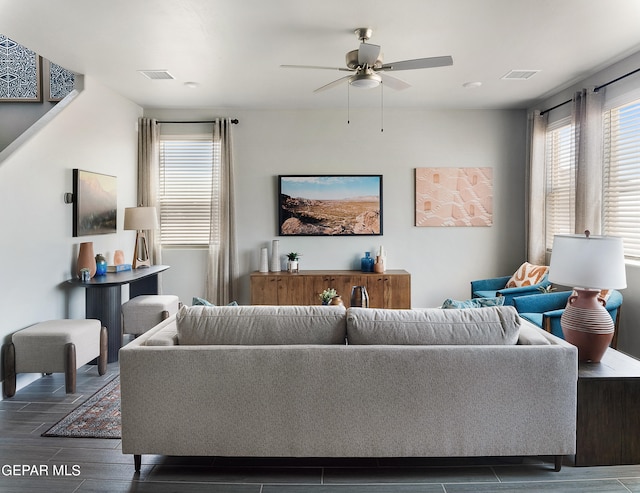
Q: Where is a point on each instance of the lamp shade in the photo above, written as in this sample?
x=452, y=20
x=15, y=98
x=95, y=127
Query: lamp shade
x=140, y=218
x=590, y=262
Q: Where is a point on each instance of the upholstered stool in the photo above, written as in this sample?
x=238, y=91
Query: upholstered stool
x=144, y=312
x=54, y=346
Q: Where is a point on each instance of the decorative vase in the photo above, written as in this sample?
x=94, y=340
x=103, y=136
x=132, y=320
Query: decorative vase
x=118, y=257
x=101, y=265
x=275, y=256
x=587, y=325
x=359, y=297
x=366, y=263
x=378, y=267
x=264, y=260
x=86, y=258
x=336, y=300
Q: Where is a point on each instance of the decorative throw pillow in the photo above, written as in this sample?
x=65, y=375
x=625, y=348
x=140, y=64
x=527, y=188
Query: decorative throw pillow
x=604, y=295
x=473, y=303
x=202, y=302
x=527, y=275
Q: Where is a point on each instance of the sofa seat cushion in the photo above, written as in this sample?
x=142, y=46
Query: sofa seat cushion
x=498, y=325
x=261, y=325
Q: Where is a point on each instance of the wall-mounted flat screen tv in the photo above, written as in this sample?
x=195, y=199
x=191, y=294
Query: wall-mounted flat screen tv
x=329, y=205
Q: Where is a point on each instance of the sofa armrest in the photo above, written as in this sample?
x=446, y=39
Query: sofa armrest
x=554, y=313
x=522, y=290
x=489, y=284
x=540, y=303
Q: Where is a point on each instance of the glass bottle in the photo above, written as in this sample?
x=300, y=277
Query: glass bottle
x=366, y=263
x=101, y=265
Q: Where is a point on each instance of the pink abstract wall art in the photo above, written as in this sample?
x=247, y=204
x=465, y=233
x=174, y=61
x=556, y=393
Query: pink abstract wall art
x=454, y=197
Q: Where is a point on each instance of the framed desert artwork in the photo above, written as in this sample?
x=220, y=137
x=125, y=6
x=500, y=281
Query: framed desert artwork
x=329, y=205
x=454, y=196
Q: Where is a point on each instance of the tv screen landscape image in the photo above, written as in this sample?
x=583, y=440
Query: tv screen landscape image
x=330, y=205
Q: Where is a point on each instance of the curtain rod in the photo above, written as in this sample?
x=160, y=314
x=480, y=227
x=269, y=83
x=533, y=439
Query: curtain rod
x=556, y=106
x=235, y=121
x=596, y=89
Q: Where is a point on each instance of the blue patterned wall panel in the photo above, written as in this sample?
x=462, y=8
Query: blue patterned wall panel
x=19, y=72
x=61, y=82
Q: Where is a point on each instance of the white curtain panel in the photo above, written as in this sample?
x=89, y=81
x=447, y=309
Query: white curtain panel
x=586, y=117
x=222, y=269
x=148, y=176
x=587, y=121
x=536, y=189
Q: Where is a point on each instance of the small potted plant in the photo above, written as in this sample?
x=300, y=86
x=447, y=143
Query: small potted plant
x=546, y=289
x=293, y=262
x=327, y=295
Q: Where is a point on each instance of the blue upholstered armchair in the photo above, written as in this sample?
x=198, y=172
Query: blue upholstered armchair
x=491, y=288
x=545, y=310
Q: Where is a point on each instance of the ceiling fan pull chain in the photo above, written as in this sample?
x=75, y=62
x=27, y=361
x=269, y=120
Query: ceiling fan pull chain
x=348, y=104
x=381, y=106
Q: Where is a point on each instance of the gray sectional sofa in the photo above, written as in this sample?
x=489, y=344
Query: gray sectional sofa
x=322, y=381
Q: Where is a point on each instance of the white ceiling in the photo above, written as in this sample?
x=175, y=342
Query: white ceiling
x=233, y=49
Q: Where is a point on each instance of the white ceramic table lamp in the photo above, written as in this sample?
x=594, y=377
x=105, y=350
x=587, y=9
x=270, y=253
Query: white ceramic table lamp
x=589, y=264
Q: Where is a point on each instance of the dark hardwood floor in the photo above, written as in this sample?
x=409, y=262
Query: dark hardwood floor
x=97, y=465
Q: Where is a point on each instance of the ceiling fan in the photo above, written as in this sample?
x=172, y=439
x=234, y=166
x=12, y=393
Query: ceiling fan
x=367, y=69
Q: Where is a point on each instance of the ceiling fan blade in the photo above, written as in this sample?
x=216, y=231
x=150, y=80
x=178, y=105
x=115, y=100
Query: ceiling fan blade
x=368, y=54
x=333, y=84
x=341, y=69
x=436, y=61
x=394, y=82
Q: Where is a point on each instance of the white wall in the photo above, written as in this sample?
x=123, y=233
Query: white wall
x=442, y=261
x=15, y=118
x=96, y=132
x=628, y=336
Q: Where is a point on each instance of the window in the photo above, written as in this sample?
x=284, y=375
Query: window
x=621, y=201
x=189, y=178
x=560, y=181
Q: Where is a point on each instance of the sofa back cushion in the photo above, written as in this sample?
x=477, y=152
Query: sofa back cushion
x=432, y=326
x=260, y=325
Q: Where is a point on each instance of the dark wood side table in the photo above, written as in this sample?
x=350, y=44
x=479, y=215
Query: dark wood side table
x=608, y=420
x=103, y=298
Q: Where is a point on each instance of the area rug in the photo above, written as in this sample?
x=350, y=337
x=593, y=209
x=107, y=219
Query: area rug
x=97, y=417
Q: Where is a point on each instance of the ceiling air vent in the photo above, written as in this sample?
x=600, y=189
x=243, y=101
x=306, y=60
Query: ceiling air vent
x=520, y=74
x=156, y=74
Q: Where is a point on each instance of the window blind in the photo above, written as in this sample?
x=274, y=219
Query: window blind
x=560, y=181
x=621, y=201
x=189, y=178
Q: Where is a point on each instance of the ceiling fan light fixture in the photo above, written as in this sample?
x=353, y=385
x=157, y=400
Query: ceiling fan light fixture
x=365, y=81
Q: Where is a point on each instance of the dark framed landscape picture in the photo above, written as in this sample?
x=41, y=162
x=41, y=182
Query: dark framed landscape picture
x=330, y=205
x=95, y=203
